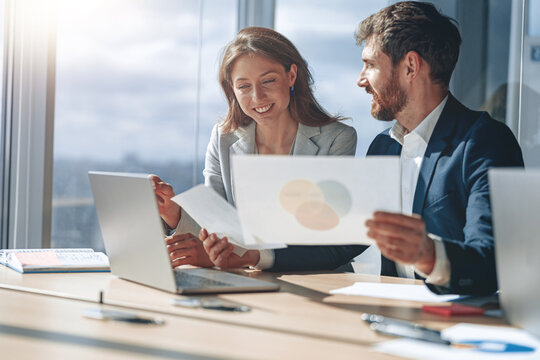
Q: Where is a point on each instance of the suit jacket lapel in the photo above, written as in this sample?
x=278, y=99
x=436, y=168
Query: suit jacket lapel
x=437, y=144
x=303, y=145
x=245, y=144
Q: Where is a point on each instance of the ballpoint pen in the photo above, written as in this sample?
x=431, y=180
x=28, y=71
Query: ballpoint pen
x=210, y=304
x=402, y=328
x=374, y=318
x=104, y=314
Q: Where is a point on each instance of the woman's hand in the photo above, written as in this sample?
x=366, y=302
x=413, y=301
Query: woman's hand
x=168, y=209
x=186, y=249
x=220, y=252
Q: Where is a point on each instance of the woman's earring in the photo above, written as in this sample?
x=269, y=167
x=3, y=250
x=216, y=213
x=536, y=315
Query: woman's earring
x=292, y=88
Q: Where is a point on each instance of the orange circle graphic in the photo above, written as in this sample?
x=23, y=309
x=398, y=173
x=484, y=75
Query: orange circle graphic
x=316, y=215
x=297, y=192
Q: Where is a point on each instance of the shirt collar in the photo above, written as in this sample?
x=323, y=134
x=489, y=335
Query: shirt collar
x=424, y=129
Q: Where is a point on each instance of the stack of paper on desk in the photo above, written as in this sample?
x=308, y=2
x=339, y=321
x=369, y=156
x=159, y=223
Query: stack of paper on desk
x=298, y=200
x=54, y=260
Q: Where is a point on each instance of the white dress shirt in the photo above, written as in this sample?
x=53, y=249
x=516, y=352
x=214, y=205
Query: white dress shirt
x=414, y=145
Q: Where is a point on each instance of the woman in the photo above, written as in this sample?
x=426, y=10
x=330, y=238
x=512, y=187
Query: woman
x=272, y=110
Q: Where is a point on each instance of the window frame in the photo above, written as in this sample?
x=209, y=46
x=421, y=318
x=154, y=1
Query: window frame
x=28, y=124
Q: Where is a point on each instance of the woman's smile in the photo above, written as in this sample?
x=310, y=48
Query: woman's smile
x=263, y=109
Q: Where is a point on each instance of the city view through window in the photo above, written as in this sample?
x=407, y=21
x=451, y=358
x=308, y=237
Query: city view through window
x=127, y=93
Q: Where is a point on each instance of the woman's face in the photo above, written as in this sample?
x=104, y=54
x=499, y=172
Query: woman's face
x=262, y=87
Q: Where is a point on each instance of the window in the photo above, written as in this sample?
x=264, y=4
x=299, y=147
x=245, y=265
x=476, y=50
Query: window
x=320, y=34
x=128, y=98
x=533, y=21
x=529, y=129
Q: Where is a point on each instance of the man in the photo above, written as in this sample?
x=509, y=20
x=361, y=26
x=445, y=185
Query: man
x=445, y=151
x=444, y=233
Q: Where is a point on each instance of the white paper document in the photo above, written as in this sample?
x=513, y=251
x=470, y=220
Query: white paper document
x=216, y=215
x=297, y=200
x=394, y=291
x=308, y=200
x=487, y=342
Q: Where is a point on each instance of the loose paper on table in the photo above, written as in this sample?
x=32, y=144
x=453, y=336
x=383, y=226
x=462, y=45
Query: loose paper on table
x=394, y=291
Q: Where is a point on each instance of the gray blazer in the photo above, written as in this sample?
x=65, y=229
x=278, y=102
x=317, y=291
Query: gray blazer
x=333, y=139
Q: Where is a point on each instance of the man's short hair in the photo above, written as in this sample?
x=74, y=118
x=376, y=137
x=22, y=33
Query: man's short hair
x=415, y=26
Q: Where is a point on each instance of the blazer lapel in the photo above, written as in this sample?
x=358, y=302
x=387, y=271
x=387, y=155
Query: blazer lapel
x=437, y=144
x=303, y=145
x=245, y=144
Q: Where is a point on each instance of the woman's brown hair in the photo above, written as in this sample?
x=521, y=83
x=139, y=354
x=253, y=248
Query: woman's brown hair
x=303, y=106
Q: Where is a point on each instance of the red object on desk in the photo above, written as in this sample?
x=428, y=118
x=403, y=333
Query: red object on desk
x=453, y=310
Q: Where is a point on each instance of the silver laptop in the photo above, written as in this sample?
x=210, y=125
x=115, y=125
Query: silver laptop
x=134, y=240
x=515, y=202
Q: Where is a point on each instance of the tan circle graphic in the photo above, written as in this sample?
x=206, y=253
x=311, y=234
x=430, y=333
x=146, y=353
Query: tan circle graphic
x=316, y=206
x=297, y=192
x=317, y=215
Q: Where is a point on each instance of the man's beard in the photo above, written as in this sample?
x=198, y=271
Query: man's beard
x=392, y=100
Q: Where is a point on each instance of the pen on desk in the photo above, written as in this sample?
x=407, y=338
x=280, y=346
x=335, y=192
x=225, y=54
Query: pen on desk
x=116, y=315
x=140, y=320
x=236, y=308
x=409, y=332
x=374, y=318
x=210, y=304
x=402, y=328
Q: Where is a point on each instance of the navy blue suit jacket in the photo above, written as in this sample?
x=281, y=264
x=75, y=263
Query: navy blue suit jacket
x=452, y=196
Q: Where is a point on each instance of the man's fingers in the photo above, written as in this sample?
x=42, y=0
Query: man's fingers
x=396, y=249
x=387, y=242
x=393, y=254
x=399, y=219
x=394, y=230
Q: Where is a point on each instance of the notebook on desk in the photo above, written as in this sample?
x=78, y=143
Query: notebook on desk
x=515, y=202
x=134, y=240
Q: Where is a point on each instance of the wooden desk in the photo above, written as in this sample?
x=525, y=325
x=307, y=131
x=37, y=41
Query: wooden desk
x=302, y=320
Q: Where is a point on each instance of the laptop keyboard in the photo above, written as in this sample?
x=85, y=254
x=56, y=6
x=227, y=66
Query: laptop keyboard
x=188, y=280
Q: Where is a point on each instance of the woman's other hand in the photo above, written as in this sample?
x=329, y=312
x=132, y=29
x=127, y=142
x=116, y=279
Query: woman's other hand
x=186, y=249
x=220, y=252
x=168, y=209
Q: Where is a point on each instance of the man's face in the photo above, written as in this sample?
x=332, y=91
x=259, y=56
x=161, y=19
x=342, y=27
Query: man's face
x=381, y=79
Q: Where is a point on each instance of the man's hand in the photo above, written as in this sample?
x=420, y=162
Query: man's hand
x=403, y=239
x=168, y=209
x=186, y=249
x=220, y=252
